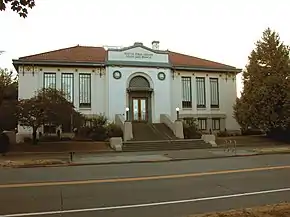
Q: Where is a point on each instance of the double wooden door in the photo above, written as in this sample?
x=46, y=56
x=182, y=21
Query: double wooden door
x=140, y=109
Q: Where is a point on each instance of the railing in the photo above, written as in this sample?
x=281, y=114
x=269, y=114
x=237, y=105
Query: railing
x=120, y=121
x=126, y=127
x=230, y=146
x=175, y=126
x=165, y=119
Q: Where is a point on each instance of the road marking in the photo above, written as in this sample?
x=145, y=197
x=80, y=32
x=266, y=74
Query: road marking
x=148, y=204
x=145, y=178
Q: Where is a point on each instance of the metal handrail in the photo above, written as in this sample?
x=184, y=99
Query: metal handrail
x=230, y=145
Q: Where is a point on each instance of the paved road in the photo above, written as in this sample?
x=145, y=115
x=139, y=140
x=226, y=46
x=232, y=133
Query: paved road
x=150, y=189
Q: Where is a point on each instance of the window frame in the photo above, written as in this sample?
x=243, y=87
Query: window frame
x=200, y=123
x=72, y=83
x=186, y=104
x=198, y=80
x=44, y=79
x=214, y=125
x=89, y=104
x=217, y=92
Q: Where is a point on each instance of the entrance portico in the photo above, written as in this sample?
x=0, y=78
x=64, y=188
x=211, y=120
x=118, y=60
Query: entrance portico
x=140, y=100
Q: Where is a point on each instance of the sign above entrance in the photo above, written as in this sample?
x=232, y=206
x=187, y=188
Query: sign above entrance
x=136, y=55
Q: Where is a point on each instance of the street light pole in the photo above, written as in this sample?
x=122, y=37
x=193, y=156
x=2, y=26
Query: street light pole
x=127, y=114
x=177, y=113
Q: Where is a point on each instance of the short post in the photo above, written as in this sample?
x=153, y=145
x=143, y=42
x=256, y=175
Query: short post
x=127, y=113
x=177, y=113
x=235, y=142
x=71, y=156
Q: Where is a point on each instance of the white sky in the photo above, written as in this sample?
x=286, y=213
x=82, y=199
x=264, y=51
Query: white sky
x=223, y=30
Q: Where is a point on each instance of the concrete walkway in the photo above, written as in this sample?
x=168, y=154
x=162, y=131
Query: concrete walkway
x=130, y=157
x=158, y=156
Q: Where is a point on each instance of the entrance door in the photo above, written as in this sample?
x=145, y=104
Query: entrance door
x=140, y=109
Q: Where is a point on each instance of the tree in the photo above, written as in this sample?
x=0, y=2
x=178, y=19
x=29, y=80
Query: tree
x=264, y=103
x=6, y=84
x=19, y=6
x=49, y=106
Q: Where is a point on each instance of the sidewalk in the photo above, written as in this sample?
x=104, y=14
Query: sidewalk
x=63, y=159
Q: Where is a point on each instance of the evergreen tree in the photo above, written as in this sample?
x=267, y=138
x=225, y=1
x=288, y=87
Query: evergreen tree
x=264, y=103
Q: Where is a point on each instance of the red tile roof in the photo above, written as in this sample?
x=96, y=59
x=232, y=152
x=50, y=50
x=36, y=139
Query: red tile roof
x=178, y=59
x=99, y=55
x=71, y=54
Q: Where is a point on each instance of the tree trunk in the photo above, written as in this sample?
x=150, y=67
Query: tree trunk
x=34, y=140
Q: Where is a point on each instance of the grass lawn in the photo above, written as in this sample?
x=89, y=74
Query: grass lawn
x=277, y=210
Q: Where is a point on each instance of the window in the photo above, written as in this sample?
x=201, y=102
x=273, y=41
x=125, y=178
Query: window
x=202, y=122
x=85, y=90
x=186, y=92
x=214, y=93
x=49, y=80
x=216, y=124
x=200, y=90
x=67, y=85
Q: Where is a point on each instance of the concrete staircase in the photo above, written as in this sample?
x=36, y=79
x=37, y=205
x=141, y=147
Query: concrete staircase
x=155, y=137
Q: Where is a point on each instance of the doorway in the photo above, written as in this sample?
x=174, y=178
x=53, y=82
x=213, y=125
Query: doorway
x=140, y=109
x=139, y=97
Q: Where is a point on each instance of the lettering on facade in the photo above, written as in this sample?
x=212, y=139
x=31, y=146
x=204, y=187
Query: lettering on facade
x=136, y=55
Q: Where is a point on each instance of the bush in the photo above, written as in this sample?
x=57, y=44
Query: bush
x=279, y=134
x=49, y=138
x=190, y=129
x=223, y=134
x=27, y=140
x=98, y=129
x=248, y=132
x=96, y=121
x=85, y=131
x=98, y=133
x=114, y=131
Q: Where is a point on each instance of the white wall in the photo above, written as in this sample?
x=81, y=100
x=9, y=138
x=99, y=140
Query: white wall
x=29, y=84
x=137, y=54
x=227, y=97
x=228, y=93
x=118, y=98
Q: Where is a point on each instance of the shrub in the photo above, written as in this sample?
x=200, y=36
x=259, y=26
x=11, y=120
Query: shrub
x=114, y=131
x=96, y=121
x=252, y=132
x=27, y=140
x=98, y=129
x=223, y=134
x=190, y=129
x=98, y=133
x=51, y=138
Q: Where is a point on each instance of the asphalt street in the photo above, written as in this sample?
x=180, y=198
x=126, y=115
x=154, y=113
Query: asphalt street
x=164, y=189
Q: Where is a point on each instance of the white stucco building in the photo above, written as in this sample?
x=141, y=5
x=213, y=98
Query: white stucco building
x=148, y=81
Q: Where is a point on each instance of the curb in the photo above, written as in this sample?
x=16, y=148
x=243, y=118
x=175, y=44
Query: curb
x=63, y=152
x=140, y=162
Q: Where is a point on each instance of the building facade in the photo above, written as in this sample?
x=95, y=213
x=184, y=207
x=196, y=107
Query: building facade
x=145, y=82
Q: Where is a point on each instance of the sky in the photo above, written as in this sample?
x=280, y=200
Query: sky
x=224, y=31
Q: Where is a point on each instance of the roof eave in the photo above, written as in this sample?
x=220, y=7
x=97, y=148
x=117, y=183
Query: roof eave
x=207, y=69
x=18, y=62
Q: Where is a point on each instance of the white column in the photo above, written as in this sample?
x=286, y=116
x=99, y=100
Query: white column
x=76, y=89
x=207, y=93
